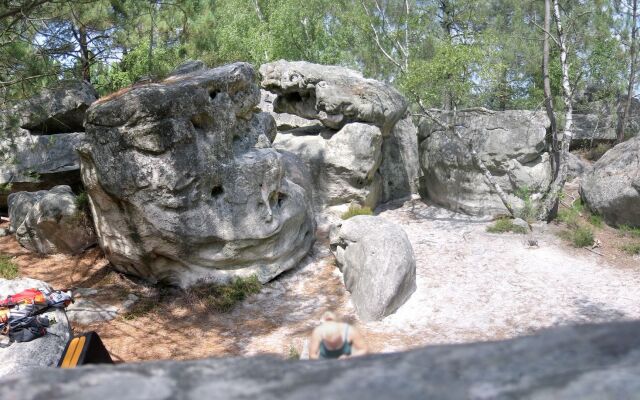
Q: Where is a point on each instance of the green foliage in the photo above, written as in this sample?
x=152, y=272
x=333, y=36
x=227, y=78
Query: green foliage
x=582, y=236
x=632, y=249
x=294, y=354
x=223, y=298
x=82, y=201
x=595, y=153
x=626, y=230
x=8, y=269
x=579, y=236
x=504, y=225
x=141, y=308
x=5, y=188
x=596, y=220
x=355, y=209
x=528, y=212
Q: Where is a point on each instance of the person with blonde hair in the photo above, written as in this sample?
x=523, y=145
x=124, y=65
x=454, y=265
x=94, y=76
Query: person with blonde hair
x=334, y=339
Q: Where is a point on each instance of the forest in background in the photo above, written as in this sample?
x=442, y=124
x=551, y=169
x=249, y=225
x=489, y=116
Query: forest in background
x=449, y=53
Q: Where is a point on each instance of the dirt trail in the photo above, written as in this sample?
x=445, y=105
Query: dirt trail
x=471, y=285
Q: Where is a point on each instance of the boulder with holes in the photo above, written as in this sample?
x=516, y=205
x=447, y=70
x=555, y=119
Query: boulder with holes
x=185, y=186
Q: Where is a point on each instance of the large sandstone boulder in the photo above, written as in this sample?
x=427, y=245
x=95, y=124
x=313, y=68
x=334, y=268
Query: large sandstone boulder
x=378, y=264
x=184, y=185
x=23, y=359
x=585, y=362
x=29, y=163
x=612, y=188
x=344, y=164
x=48, y=222
x=510, y=143
x=57, y=110
x=302, y=95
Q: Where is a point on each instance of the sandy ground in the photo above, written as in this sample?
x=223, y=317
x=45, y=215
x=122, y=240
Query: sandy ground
x=471, y=286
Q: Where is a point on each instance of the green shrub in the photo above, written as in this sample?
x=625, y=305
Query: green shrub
x=8, y=269
x=504, y=225
x=626, y=230
x=528, y=212
x=142, y=307
x=355, y=209
x=596, y=152
x=596, y=220
x=633, y=248
x=581, y=236
x=294, y=354
x=569, y=216
x=82, y=201
x=223, y=298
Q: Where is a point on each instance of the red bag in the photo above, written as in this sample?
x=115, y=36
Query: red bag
x=27, y=296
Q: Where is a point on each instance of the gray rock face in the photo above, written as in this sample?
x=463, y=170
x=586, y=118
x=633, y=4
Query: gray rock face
x=333, y=95
x=612, y=188
x=58, y=110
x=184, y=185
x=343, y=164
x=188, y=67
x=577, y=167
x=400, y=168
x=29, y=163
x=22, y=359
x=586, y=362
x=512, y=146
x=599, y=128
x=301, y=95
x=378, y=264
x=87, y=312
x=50, y=222
x=284, y=121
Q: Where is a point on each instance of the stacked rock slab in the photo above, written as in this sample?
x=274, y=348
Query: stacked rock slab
x=378, y=264
x=568, y=363
x=51, y=221
x=510, y=143
x=24, y=358
x=39, y=137
x=612, y=187
x=364, y=147
x=184, y=185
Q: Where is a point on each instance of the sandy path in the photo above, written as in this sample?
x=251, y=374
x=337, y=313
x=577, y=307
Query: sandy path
x=471, y=285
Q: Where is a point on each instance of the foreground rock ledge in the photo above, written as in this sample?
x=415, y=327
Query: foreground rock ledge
x=184, y=185
x=595, y=362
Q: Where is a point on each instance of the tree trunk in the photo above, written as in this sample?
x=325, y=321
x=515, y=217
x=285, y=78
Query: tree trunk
x=622, y=120
x=550, y=204
x=85, y=62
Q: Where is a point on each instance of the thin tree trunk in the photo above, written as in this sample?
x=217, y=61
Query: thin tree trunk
x=548, y=97
x=622, y=120
x=550, y=203
x=84, y=54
